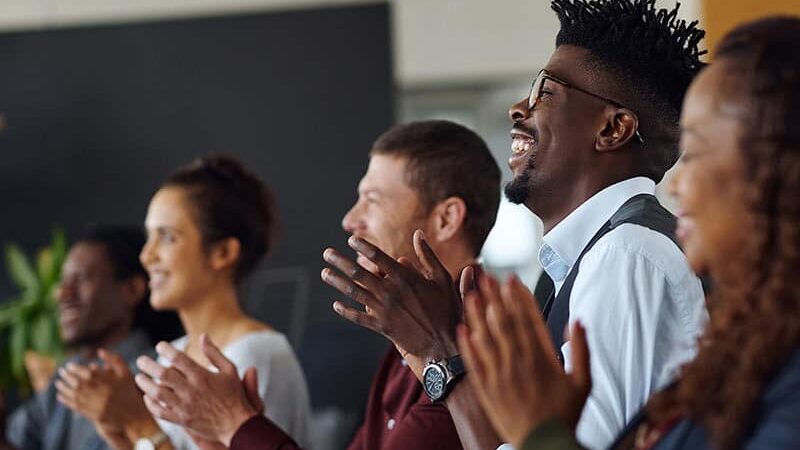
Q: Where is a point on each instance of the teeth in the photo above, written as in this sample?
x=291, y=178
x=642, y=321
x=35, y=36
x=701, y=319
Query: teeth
x=519, y=146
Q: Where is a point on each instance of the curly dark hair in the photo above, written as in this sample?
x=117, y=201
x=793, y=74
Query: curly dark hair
x=652, y=56
x=755, y=324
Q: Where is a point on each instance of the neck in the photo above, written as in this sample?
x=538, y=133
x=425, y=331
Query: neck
x=554, y=205
x=214, y=313
x=116, y=333
x=455, y=259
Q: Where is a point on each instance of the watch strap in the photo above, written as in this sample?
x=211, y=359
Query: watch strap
x=455, y=367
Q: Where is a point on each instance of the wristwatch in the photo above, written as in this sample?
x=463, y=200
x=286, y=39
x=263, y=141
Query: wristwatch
x=150, y=442
x=439, y=377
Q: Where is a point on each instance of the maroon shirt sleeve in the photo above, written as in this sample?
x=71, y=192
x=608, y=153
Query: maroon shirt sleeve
x=397, y=397
x=259, y=433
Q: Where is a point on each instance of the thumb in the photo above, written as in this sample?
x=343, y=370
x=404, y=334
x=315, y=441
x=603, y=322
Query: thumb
x=250, y=383
x=581, y=365
x=466, y=282
x=215, y=356
x=113, y=361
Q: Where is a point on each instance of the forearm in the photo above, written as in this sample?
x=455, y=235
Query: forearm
x=259, y=433
x=472, y=425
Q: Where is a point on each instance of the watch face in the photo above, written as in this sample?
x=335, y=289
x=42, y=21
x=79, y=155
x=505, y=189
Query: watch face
x=434, y=381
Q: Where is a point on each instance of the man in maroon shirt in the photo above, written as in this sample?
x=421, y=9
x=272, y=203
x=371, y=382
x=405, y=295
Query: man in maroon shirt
x=435, y=176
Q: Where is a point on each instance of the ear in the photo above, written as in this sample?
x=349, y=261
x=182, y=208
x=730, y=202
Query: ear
x=225, y=253
x=134, y=289
x=619, y=126
x=447, y=219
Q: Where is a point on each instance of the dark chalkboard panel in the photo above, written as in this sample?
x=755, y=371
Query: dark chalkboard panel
x=97, y=117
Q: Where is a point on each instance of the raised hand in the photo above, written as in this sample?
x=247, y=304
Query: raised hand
x=512, y=363
x=417, y=308
x=105, y=394
x=211, y=406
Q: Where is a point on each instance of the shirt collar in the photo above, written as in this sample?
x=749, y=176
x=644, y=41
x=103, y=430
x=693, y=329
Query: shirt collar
x=564, y=243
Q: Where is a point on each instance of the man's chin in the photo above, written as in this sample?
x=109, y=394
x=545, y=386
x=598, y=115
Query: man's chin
x=517, y=190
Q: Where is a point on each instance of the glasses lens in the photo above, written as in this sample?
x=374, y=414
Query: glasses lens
x=536, y=89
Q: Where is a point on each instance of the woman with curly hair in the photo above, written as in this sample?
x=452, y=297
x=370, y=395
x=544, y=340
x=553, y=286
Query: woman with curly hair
x=738, y=184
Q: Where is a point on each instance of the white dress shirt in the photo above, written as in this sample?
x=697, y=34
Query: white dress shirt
x=642, y=307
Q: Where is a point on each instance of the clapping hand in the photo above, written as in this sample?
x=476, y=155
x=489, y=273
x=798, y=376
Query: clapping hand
x=512, y=364
x=417, y=307
x=105, y=394
x=209, y=405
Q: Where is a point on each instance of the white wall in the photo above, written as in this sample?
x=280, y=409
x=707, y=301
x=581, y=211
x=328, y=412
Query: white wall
x=436, y=41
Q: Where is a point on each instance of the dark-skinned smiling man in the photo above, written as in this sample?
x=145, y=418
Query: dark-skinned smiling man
x=596, y=133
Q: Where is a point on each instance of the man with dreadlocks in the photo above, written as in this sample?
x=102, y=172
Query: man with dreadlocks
x=597, y=131
x=595, y=134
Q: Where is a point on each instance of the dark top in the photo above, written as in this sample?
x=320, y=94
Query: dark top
x=43, y=423
x=398, y=417
x=776, y=424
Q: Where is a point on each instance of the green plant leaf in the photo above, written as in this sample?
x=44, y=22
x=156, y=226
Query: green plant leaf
x=51, y=258
x=41, y=334
x=10, y=313
x=17, y=344
x=20, y=270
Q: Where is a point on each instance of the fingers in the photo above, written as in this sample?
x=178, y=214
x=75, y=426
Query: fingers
x=357, y=317
x=179, y=361
x=581, y=366
x=480, y=342
x=114, y=362
x=168, y=376
x=515, y=298
x=250, y=383
x=215, y=356
x=68, y=378
x=65, y=391
x=385, y=263
x=346, y=285
x=466, y=282
x=539, y=341
x=472, y=357
x=160, y=411
x=429, y=260
x=166, y=397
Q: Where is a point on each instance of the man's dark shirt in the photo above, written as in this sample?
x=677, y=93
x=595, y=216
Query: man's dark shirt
x=43, y=423
x=399, y=416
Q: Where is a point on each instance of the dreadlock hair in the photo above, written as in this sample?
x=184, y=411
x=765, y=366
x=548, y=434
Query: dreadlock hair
x=755, y=317
x=648, y=55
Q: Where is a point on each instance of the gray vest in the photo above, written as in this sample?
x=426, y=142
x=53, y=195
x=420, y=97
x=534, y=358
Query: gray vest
x=642, y=209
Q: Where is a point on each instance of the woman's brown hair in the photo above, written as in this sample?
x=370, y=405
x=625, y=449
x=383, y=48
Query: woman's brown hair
x=229, y=201
x=755, y=324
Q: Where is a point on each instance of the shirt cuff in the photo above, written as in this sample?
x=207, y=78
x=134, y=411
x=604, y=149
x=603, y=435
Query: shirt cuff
x=551, y=434
x=258, y=432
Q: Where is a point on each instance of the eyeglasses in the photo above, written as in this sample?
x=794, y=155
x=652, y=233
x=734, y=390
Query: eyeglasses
x=538, y=84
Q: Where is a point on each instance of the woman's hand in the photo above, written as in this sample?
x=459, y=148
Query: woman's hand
x=209, y=405
x=512, y=363
x=106, y=395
